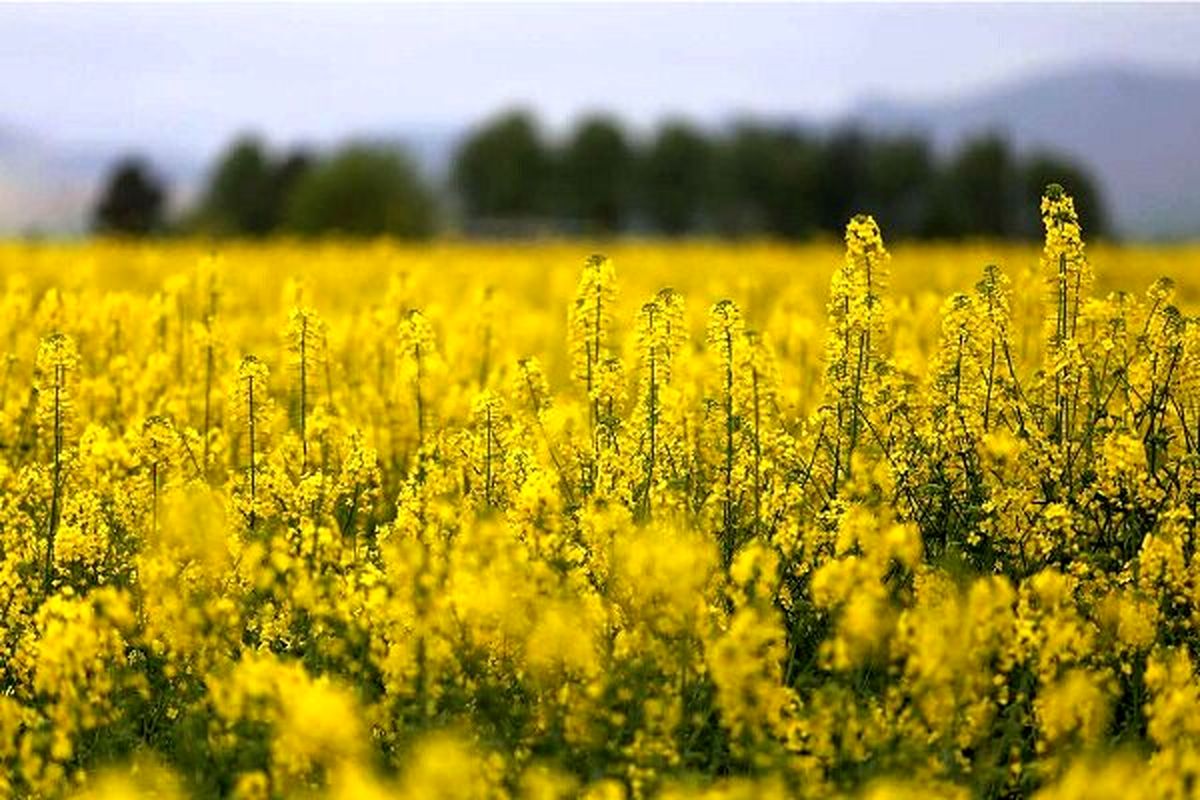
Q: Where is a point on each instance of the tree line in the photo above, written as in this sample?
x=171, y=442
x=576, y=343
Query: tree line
x=508, y=177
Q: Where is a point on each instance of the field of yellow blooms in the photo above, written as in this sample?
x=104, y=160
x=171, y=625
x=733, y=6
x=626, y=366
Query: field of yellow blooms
x=692, y=520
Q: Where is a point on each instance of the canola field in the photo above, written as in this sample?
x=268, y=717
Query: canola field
x=687, y=520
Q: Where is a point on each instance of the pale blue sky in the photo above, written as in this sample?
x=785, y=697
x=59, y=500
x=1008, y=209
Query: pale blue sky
x=192, y=75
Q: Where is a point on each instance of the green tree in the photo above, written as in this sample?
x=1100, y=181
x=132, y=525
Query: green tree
x=900, y=176
x=842, y=181
x=766, y=181
x=362, y=190
x=985, y=184
x=286, y=173
x=249, y=189
x=677, y=179
x=132, y=201
x=596, y=172
x=236, y=201
x=501, y=170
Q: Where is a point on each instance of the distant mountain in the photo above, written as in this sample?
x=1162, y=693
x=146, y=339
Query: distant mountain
x=1137, y=130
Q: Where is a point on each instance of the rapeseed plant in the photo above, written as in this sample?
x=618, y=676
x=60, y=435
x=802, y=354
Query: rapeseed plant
x=924, y=532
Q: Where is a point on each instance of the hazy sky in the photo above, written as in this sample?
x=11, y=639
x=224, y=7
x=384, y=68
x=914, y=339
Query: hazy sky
x=192, y=75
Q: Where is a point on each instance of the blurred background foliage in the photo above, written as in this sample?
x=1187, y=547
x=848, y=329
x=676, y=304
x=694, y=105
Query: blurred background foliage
x=508, y=178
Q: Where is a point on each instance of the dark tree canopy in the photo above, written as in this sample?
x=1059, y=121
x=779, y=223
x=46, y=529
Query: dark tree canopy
x=249, y=189
x=132, y=201
x=748, y=178
x=596, y=174
x=900, y=174
x=985, y=179
x=502, y=170
x=677, y=179
x=843, y=185
x=755, y=178
x=237, y=201
x=767, y=178
x=362, y=191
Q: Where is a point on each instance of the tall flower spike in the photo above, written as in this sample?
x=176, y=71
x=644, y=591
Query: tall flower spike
x=531, y=392
x=759, y=373
x=1069, y=277
x=992, y=303
x=869, y=260
x=57, y=359
x=490, y=422
x=1064, y=263
x=654, y=372
x=724, y=334
x=590, y=319
x=955, y=369
x=416, y=348
x=855, y=342
x=305, y=343
x=252, y=403
x=674, y=316
x=210, y=279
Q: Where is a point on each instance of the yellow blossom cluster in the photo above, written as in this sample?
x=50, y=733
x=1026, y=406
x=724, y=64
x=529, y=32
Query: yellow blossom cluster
x=686, y=520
